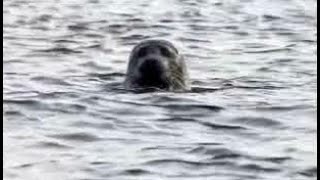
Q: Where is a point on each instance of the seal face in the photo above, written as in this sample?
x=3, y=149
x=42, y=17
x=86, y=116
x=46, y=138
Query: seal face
x=156, y=64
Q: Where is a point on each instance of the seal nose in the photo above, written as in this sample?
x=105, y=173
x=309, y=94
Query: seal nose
x=152, y=74
x=151, y=68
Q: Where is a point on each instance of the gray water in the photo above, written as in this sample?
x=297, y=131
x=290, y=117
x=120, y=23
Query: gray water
x=251, y=114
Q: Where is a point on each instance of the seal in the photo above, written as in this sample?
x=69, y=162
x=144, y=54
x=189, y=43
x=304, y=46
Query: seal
x=156, y=64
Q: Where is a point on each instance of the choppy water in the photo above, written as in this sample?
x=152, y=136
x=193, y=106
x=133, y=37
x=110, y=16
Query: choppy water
x=251, y=114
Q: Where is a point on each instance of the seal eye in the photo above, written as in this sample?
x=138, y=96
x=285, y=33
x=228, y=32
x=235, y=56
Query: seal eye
x=142, y=52
x=165, y=52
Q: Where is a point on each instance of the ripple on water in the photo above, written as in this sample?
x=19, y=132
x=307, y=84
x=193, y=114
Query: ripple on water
x=258, y=122
x=181, y=162
x=50, y=80
x=222, y=126
x=212, y=125
x=190, y=110
x=135, y=172
x=192, y=107
x=52, y=145
x=311, y=172
x=25, y=102
x=60, y=50
x=203, y=166
x=78, y=27
x=67, y=108
x=284, y=108
x=77, y=137
x=216, y=153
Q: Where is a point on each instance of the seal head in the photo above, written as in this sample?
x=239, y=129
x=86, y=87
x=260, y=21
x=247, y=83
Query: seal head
x=156, y=64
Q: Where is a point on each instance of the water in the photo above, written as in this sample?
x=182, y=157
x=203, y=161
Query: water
x=251, y=113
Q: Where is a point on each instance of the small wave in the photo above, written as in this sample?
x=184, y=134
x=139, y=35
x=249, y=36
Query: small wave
x=257, y=122
x=228, y=86
x=104, y=126
x=270, y=87
x=163, y=148
x=51, y=145
x=269, y=17
x=178, y=119
x=217, y=153
x=50, y=80
x=258, y=168
x=30, y=165
x=277, y=160
x=60, y=50
x=80, y=137
x=284, y=108
x=211, y=125
x=25, y=102
x=134, y=20
x=136, y=37
x=202, y=28
x=66, y=41
x=203, y=89
x=57, y=94
x=192, y=107
x=93, y=35
x=312, y=172
x=13, y=61
x=208, y=144
x=311, y=41
x=13, y=113
x=117, y=28
x=44, y=18
x=78, y=27
x=164, y=27
x=95, y=66
x=23, y=166
x=166, y=21
x=107, y=76
x=68, y=108
x=9, y=115
x=222, y=126
x=100, y=163
x=270, y=50
x=193, y=40
x=165, y=162
x=135, y=172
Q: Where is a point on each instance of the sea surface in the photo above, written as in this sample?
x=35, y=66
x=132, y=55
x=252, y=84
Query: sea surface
x=251, y=113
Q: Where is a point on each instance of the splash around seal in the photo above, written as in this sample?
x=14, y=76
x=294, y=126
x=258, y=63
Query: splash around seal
x=156, y=64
